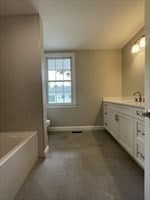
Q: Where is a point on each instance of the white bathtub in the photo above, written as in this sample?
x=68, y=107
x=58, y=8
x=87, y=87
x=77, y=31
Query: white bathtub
x=18, y=153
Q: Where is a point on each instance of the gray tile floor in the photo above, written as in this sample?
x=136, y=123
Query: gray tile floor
x=87, y=166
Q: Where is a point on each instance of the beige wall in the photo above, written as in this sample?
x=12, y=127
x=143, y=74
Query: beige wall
x=20, y=78
x=98, y=74
x=132, y=68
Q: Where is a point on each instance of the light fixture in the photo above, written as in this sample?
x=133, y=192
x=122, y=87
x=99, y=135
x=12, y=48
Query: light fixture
x=138, y=45
x=142, y=42
x=135, y=48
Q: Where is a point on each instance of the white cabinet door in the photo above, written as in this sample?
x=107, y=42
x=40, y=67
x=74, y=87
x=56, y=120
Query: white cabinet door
x=113, y=123
x=139, y=140
x=127, y=133
x=140, y=157
x=139, y=131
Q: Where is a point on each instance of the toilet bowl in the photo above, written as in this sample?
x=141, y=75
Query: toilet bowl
x=48, y=122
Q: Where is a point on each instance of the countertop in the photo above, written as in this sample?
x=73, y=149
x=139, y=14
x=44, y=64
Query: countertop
x=127, y=101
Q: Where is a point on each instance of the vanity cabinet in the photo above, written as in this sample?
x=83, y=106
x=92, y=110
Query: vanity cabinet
x=126, y=125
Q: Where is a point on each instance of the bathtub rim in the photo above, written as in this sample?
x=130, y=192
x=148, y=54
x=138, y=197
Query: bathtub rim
x=18, y=146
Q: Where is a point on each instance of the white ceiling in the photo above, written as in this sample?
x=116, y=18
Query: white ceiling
x=84, y=24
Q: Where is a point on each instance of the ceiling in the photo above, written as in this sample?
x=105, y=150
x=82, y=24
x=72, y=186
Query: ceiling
x=83, y=24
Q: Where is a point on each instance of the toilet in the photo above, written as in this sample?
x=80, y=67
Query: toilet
x=48, y=123
x=46, y=150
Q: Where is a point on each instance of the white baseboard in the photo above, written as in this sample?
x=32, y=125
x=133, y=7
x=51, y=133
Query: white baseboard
x=45, y=152
x=75, y=128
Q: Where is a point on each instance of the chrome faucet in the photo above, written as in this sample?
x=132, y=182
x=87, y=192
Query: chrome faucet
x=140, y=96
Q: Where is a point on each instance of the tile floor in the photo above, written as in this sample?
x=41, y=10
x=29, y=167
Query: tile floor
x=87, y=166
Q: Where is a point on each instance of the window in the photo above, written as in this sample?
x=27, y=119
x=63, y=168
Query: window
x=60, y=79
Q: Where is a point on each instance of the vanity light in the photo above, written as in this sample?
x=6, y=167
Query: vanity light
x=135, y=48
x=138, y=45
x=142, y=42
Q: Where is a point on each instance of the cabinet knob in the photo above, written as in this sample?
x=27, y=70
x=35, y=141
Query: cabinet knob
x=139, y=131
x=117, y=118
x=139, y=113
x=141, y=155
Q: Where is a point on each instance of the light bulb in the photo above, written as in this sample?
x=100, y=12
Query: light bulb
x=142, y=42
x=135, y=48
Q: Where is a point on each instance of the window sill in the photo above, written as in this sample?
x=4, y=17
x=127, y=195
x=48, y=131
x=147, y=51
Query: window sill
x=61, y=106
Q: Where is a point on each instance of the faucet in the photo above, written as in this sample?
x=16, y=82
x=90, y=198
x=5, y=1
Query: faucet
x=140, y=96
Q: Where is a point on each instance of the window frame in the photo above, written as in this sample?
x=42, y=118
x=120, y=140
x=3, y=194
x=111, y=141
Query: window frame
x=73, y=87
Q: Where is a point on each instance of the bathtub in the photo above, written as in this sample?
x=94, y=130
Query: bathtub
x=18, y=153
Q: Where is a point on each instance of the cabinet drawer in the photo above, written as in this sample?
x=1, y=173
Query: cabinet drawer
x=140, y=131
x=140, y=153
x=121, y=109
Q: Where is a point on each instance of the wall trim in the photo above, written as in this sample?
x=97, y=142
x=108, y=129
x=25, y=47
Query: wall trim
x=75, y=128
